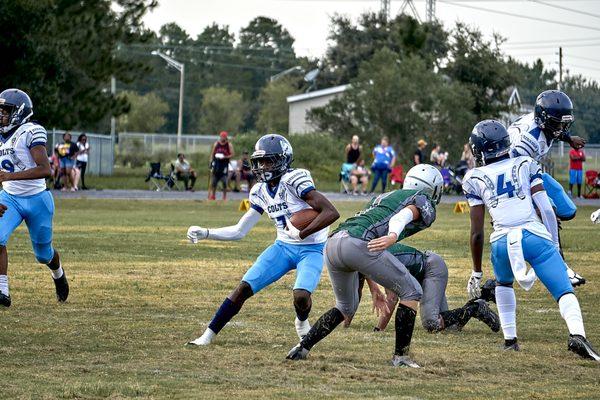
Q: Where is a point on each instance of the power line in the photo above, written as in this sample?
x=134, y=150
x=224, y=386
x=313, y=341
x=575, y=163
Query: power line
x=582, y=67
x=561, y=40
x=552, y=46
x=566, y=9
x=550, y=21
x=584, y=58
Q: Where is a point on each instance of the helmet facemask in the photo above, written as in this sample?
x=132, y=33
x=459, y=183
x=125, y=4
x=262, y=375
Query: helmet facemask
x=268, y=167
x=557, y=126
x=10, y=117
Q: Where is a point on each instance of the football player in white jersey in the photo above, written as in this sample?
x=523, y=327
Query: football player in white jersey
x=509, y=188
x=281, y=192
x=533, y=135
x=24, y=168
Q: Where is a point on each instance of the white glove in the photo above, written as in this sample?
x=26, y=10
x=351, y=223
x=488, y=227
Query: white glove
x=292, y=232
x=196, y=233
x=474, y=285
x=596, y=217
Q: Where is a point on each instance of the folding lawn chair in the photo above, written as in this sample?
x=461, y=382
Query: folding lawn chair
x=345, y=173
x=592, y=185
x=157, y=181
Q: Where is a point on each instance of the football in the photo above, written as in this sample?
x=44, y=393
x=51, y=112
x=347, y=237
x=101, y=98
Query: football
x=303, y=218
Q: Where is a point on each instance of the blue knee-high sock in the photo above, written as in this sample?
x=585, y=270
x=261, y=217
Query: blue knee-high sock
x=223, y=315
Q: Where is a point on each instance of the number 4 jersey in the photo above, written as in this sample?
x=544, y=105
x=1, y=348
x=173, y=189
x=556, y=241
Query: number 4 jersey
x=15, y=156
x=505, y=189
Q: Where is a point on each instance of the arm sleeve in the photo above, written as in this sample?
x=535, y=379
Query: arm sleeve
x=36, y=136
x=238, y=231
x=300, y=182
x=399, y=221
x=472, y=193
x=543, y=204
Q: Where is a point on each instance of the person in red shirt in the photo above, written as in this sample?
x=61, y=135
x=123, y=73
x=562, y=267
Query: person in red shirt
x=576, y=169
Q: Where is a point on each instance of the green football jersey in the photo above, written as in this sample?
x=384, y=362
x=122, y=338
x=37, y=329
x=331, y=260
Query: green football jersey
x=373, y=221
x=413, y=259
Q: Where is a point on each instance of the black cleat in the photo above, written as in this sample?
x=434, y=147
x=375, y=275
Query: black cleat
x=62, y=288
x=485, y=314
x=576, y=279
x=5, y=300
x=298, y=353
x=511, y=345
x=580, y=346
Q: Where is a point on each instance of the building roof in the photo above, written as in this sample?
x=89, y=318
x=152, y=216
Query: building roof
x=317, y=93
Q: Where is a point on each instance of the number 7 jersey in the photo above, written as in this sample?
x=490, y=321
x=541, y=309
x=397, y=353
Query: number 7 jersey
x=15, y=156
x=505, y=189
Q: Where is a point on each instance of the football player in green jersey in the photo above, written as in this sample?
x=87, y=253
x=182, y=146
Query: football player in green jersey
x=359, y=246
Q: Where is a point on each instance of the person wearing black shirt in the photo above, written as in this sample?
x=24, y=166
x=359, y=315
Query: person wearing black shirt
x=419, y=157
x=353, y=151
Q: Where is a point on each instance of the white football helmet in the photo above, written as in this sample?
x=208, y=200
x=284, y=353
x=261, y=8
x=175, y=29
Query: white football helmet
x=426, y=178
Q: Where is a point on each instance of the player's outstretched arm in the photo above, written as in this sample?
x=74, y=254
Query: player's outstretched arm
x=397, y=224
x=234, y=232
x=540, y=198
x=477, y=220
x=328, y=214
x=41, y=171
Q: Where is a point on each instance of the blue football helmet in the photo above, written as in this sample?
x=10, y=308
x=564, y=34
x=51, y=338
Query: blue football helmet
x=488, y=141
x=554, y=113
x=272, y=157
x=18, y=108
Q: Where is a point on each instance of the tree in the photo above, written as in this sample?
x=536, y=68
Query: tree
x=531, y=79
x=480, y=66
x=585, y=95
x=402, y=99
x=221, y=109
x=66, y=52
x=274, y=110
x=147, y=113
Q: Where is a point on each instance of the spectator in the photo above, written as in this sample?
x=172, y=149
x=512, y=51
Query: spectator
x=353, y=151
x=55, y=166
x=220, y=155
x=67, y=151
x=467, y=157
x=184, y=172
x=577, y=157
x=384, y=159
x=82, y=157
x=434, y=157
x=359, y=174
x=244, y=171
x=419, y=157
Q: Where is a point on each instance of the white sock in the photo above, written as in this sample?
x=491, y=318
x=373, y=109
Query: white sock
x=205, y=339
x=57, y=273
x=4, y=284
x=507, y=310
x=571, y=313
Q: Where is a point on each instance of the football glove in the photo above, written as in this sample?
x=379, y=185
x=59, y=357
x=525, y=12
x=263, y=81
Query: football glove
x=473, y=286
x=595, y=217
x=196, y=233
x=292, y=232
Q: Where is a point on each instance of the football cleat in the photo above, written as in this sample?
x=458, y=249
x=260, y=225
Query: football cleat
x=298, y=353
x=580, y=346
x=404, y=361
x=302, y=328
x=5, y=300
x=485, y=314
x=62, y=288
x=575, y=278
x=511, y=345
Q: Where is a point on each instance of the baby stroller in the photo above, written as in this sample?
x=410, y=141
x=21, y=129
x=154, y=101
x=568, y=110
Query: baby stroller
x=452, y=182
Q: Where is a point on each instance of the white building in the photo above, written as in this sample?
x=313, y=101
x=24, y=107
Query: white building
x=301, y=104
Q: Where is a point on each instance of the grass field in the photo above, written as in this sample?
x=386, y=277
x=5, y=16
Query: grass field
x=139, y=292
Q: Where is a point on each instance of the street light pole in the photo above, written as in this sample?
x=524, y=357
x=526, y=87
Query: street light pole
x=181, y=68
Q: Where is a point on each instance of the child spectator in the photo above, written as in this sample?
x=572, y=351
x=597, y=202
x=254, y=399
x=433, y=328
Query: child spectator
x=577, y=157
x=220, y=155
x=359, y=174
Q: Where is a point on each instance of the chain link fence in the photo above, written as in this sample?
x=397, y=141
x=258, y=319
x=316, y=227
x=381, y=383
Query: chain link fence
x=153, y=143
x=560, y=157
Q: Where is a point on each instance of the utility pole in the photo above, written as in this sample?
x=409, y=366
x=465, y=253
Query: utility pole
x=560, y=67
x=113, y=120
x=385, y=9
x=181, y=68
x=430, y=10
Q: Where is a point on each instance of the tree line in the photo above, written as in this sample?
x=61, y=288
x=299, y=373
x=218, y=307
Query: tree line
x=408, y=79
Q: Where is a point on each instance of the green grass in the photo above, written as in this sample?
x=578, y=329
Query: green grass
x=139, y=292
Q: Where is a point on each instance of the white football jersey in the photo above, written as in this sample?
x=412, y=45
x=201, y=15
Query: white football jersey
x=15, y=157
x=527, y=138
x=283, y=201
x=505, y=189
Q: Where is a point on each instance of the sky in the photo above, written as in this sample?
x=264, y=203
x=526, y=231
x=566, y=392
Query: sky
x=308, y=21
